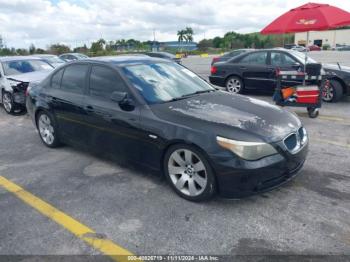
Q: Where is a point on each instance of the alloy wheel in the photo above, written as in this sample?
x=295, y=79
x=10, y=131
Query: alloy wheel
x=234, y=85
x=187, y=172
x=328, y=93
x=46, y=129
x=7, y=102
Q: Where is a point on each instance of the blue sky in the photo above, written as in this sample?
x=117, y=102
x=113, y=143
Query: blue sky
x=75, y=22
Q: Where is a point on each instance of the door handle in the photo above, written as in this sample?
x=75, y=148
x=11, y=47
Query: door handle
x=243, y=68
x=89, y=109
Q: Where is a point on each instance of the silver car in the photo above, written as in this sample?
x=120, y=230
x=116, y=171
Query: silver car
x=53, y=60
x=68, y=57
x=16, y=72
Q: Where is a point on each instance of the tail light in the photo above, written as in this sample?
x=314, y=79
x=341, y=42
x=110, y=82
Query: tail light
x=213, y=70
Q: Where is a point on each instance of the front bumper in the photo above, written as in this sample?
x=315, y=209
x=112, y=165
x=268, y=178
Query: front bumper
x=237, y=178
x=19, y=98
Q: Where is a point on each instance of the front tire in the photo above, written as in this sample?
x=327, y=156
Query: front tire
x=189, y=173
x=47, y=129
x=7, y=102
x=234, y=84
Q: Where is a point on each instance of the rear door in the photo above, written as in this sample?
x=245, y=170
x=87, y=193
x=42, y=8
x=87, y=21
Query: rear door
x=114, y=128
x=66, y=96
x=255, y=71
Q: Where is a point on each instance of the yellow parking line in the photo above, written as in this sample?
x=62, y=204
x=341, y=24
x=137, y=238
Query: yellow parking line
x=107, y=247
x=326, y=117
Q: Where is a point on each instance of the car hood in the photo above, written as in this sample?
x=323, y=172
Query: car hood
x=336, y=67
x=228, y=114
x=31, y=77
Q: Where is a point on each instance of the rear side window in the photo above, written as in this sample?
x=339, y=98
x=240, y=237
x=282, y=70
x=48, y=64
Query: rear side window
x=74, y=77
x=281, y=59
x=56, y=79
x=104, y=81
x=255, y=58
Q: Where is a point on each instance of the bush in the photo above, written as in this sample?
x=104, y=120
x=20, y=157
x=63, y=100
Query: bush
x=326, y=47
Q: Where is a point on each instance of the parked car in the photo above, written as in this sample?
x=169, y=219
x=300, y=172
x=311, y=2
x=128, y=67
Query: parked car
x=343, y=48
x=300, y=48
x=68, y=57
x=314, y=48
x=165, y=55
x=257, y=70
x=289, y=46
x=15, y=74
x=230, y=55
x=162, y=115
x=53, y=60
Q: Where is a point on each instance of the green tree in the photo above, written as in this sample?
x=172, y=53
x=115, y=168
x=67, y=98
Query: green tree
x=32, y=49
x=189, y=34
x=58, y=49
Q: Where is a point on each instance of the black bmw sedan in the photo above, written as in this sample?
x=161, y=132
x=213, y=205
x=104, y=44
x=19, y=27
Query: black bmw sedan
x=162, y=115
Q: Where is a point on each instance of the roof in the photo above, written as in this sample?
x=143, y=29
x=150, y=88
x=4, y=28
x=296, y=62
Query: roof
x=125, y=59
x=16, y=58
x=43, y=55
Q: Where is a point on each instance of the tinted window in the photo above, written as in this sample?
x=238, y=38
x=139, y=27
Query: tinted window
x=281, y=59
x=104, y=81
x=255, y=58
x=74, y=78
x=56, y=79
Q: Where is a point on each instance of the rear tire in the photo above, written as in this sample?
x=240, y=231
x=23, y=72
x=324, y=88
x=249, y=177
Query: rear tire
x=333, y=92
x=47, y=129
x=189, y=173
x=234, y=84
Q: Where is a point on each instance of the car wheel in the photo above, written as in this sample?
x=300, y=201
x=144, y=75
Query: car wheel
x=7, y=102
x=234, y=85
x=47, y=129
x=189, y=173
x=332, y=92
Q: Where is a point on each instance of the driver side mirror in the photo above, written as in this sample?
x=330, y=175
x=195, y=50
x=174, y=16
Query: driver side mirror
x=119, y=96
x=296, y=66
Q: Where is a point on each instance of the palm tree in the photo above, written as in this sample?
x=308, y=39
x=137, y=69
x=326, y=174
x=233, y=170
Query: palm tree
x=181, y=36
x=189, y=34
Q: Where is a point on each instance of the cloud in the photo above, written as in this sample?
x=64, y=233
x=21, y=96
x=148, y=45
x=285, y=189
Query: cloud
x=75, y=22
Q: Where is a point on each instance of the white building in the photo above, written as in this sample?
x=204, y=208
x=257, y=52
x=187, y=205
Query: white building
x=320, y=38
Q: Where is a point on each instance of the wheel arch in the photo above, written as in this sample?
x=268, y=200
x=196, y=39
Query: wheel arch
x=236, y=75
x=179, y=142
x=342, y=83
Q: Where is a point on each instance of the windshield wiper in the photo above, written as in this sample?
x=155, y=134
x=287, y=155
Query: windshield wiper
x=191, y=94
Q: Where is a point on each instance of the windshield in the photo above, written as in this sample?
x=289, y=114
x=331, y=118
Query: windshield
x=162, y=82
x=24, y=66
x=301, y=57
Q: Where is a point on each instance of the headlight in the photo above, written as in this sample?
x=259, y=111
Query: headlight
x=247, y=150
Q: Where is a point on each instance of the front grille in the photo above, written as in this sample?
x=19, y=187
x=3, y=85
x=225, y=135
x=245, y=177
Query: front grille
x=295, y=141
x=291, y=142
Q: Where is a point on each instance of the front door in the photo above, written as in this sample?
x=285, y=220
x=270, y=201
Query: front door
x=113, y=128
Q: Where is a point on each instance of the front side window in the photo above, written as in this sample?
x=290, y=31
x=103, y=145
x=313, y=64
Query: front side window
x=255, y=58
x=24, y=66
x=162, y=82
x=104, y=81
x=74, y=77
x=281, y=59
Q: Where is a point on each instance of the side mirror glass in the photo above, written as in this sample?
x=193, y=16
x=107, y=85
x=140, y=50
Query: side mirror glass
x=296, y=65
x=119, y=96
